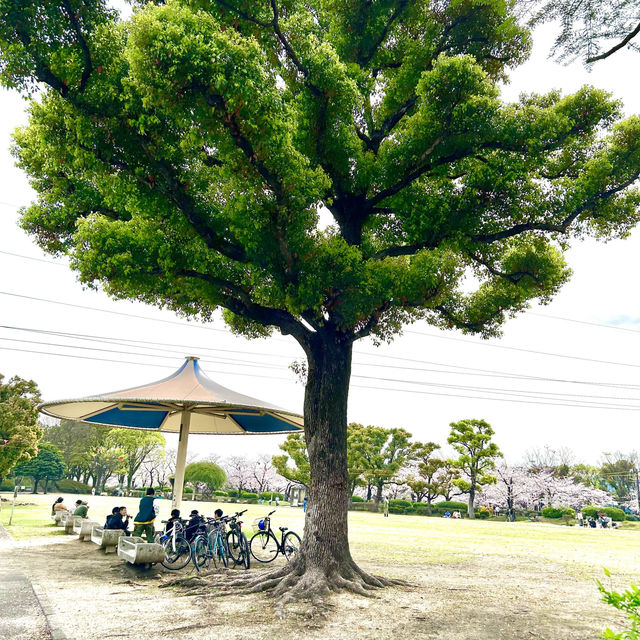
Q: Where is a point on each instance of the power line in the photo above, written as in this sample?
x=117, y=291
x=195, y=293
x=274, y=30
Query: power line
x=457, y=395
x=541, y=353
x=544, y=400
x=19, y=255
x=574, y=320
x=467, y=371
x=430, y=335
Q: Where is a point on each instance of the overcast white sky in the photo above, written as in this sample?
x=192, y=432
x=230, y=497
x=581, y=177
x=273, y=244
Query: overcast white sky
x=399, y=394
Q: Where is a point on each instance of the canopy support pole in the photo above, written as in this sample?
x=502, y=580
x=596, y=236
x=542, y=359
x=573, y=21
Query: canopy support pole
x=178, y=483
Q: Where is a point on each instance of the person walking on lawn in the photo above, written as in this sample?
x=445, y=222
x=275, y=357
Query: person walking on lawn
x=147, y=511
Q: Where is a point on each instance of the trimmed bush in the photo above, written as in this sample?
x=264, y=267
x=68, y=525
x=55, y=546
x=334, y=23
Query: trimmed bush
x=421, y=509
x=400, y=503
x=187, y=490
x=220, y=493
x=558, y=512
x=616, y=514
x=72, y=486
x=451, y=505
x=7, y=485
x=232, y=493
x=482, y=514
x=248, y=495
x=357, y=499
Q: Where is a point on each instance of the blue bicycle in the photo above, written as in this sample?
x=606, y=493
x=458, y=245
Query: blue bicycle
x=210, y=545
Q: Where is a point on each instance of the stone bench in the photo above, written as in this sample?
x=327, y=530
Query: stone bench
x=83, y=527
x=57, y=517
x=68, y=521
x=135, y=550
x=106, y=539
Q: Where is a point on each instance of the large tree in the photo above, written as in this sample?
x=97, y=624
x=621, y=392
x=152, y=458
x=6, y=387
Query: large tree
x=332, y=170
x=472, y=440
x=206, y=476
x=136, y=447
x=19, y=430
x=379, y=454
x=47, y=465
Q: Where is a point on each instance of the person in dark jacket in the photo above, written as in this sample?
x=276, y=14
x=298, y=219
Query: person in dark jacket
x=143, y=522
x=119, y=520
x=195, y=520
x=113, y=513
x=175, y=517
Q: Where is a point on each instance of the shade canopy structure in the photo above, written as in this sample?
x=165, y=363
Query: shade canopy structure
x=185, y=402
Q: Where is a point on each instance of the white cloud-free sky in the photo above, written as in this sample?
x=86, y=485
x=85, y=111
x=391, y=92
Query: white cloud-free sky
x=422, y=384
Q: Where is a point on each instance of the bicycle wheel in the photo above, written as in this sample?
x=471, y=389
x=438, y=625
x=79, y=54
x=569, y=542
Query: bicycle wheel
x=233, y=546
x=264, y=546
x=178, y=555
x=291, y=545
x=220, y=550
x=245, y=558
x=200, y=550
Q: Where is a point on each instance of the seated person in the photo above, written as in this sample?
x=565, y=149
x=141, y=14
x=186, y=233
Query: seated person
x=175, y=517
x=219, y=523
x=119, y=520
x=58, y=505
x=456, y=514
x=195, y=520
x=81, y=509
x=113, y=512
x=447, y=514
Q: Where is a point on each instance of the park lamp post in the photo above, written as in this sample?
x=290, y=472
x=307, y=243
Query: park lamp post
x=185, y=402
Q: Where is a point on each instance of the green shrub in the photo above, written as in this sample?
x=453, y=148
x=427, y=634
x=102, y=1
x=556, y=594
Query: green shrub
x=631, y=517
x=272, y=495
x=357, y=499
x=617, y=515
x=483, y=512
x=451, y=505
x=252, y=501
x=421, y=509
x=400, y=503
x=558, y=512
x=7, y=485
x=220, y=493
x=232, y=493
x=248, y=495
x=72, y=486
x=187, y=490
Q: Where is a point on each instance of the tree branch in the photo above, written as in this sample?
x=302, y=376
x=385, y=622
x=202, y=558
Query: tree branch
x=88, y=65
x=364, y=60
x=243, y=306
x=562, y=227
x=617, y=47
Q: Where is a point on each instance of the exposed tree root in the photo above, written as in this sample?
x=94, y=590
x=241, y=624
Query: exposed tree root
x=292, y=582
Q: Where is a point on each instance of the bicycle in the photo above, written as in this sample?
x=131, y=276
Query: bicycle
x=265, y=546
x=211, y=546
x=237, y=541
x=177, y=551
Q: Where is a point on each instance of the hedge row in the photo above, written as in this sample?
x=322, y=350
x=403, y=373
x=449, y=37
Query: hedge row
x=617, y=515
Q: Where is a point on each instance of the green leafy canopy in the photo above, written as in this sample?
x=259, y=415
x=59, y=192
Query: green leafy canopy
x=318, y=166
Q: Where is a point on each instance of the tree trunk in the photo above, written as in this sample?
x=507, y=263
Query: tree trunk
x=472, y=497
x=324, y=564
x=35, y=485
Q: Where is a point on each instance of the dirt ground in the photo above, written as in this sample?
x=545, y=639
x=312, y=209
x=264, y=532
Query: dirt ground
x=98, y=596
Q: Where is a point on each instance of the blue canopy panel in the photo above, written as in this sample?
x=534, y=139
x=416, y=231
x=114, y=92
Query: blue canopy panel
x=132, y=418
x=265, y=423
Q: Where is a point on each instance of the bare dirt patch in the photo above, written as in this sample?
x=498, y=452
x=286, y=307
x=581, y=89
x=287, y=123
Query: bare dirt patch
x=492, y=597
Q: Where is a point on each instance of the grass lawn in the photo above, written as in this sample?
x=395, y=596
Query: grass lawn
x=480, y=580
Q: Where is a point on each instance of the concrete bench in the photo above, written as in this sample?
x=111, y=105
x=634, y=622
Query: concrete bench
x=135, y=550
x=83, y=527
x=57, y=517
x=106, y=539
x=68, y=521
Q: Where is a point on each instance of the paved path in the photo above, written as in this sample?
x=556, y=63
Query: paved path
x=22, y=617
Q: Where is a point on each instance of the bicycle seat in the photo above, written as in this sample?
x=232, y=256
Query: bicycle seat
x=283, y=528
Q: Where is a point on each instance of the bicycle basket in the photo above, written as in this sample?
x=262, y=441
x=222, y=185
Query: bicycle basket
x=259, y=525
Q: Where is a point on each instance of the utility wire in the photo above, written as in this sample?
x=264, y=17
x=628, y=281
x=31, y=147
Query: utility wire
x=542, y=401
x=420, y=333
